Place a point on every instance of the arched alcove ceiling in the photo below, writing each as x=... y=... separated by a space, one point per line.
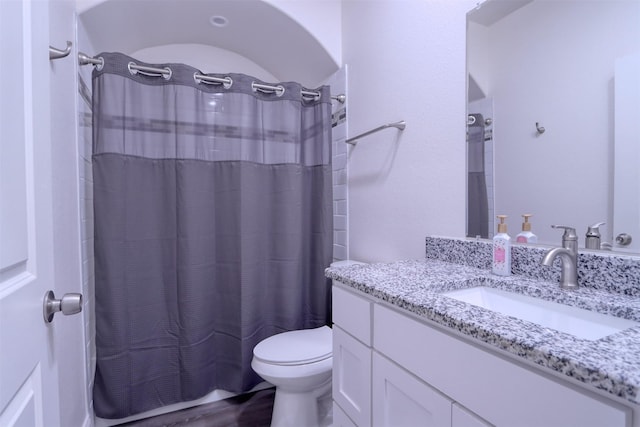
x=255 y=30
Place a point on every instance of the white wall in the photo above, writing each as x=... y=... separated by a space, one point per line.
x=478 y=64
x=553 y=63
x=406 y=61
x=321 y=18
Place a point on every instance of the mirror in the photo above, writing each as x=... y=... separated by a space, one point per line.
x=541 y=93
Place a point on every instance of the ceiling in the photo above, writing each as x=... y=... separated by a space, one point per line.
x=491 y=11
x=256 y=30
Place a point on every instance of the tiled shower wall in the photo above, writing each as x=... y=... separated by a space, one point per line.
x=338 y=83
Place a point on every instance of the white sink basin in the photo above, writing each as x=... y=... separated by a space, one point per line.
x=582 y=323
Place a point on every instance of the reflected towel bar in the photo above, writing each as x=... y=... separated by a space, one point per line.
x=398 y=125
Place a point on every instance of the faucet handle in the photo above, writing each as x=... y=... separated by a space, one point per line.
x=594 y=230
x=569 y=232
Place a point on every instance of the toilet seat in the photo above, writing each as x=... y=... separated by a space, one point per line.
x=293 y=348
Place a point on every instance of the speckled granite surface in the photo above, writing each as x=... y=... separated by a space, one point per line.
x=599 y=270
x=611 y=363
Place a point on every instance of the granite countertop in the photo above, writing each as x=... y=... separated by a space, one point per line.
x=611 y=363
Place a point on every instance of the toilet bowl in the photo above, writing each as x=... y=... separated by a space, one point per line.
x=299 y=364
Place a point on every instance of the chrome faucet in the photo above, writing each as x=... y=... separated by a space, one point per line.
x=568 y=254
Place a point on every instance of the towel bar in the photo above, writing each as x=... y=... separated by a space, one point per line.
x=398 y=125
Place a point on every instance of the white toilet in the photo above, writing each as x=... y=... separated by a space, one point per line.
x=299 y=364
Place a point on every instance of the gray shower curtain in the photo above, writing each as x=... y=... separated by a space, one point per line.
x=213 y=227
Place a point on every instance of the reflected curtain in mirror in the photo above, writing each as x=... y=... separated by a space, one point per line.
x=477 y=203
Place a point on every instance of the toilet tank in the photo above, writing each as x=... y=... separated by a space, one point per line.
x=346 y=263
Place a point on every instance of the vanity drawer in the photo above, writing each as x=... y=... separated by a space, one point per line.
x=352 y=313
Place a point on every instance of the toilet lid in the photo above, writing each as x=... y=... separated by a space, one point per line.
x=296 y=347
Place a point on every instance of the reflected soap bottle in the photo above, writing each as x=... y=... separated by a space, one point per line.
x=526 y=236
x=502 y=250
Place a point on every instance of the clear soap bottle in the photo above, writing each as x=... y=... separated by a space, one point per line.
x=526 y=236
x=502 y=250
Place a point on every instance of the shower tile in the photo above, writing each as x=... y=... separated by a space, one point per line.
x=340 y=238
x=340 y=222
x=339 y=132
x=340 y=192
x=341 y=207
x=339 y=252
x=339 y=162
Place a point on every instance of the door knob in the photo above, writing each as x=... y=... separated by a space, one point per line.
x=68 y=304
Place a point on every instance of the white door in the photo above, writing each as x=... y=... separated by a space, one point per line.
x=28 y=375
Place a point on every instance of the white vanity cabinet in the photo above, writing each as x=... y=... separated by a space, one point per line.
x=407 y=371
x=371 y=390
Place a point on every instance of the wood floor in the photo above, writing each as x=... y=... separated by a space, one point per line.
x=248 y=410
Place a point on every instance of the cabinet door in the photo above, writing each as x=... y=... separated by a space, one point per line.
x=352 y=377
x=400 y=399
x=462 y=417
x=340 y=419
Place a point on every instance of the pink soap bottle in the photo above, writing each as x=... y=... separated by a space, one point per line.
x=502 y=250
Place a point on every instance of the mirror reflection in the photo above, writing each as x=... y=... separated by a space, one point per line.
x=552 y=92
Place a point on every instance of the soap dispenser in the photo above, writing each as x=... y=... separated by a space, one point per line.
x=526 y=236
x=592 y=240
x=502 y=250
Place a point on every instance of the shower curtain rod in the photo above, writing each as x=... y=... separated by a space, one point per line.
x=85 y=59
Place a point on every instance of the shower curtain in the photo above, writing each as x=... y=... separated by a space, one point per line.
x=477 y=203
x=213 y=227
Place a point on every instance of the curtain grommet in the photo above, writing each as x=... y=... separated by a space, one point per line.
x=199 y=78
x=165 y=72
x=262 y=88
